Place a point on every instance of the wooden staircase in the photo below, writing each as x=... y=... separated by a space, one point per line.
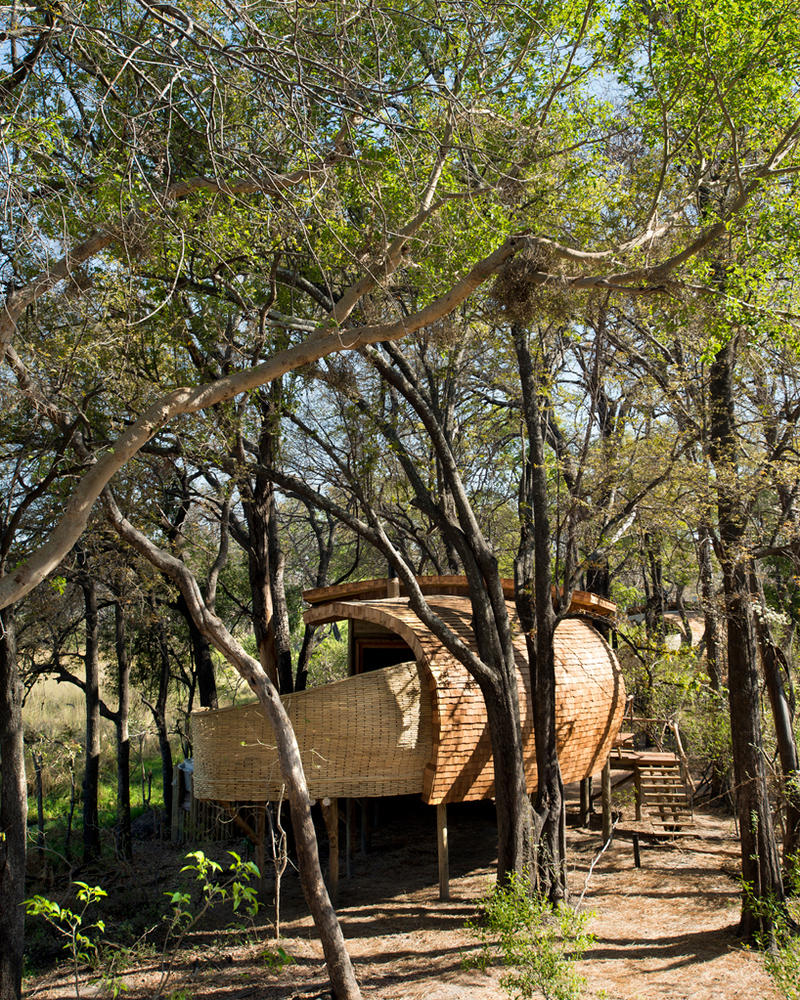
x=661 y=791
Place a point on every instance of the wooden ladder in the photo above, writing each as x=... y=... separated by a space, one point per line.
x=661 y=791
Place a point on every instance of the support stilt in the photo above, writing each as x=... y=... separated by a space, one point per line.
x=443 y=850
x=586 y=801
x=261 y=836
x=607 y=801
x=330 y=813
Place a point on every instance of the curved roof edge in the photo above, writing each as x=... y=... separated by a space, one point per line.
x=454 y=586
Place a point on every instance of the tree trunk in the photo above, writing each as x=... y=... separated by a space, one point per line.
x=514 y=818
x=656 y=603
x=256 y=508
x=91 y=774
x=203 y=660
x=539 y=623
x=774 y=664
x=761 y=871
x=159 y=712
x=270 y=616
x=124 y=843
x=281 y=631
x=13 y=815
x=303 y=657
x=719 y=783
x=712 y=631
x=598 y=581
x=338 y=962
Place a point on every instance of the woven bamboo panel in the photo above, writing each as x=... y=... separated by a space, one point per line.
x=414 y=728
x=369 y=735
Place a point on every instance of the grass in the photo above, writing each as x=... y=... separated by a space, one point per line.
x=54 y=726
x=57 y=795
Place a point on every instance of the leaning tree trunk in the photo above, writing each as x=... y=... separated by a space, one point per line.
x=761 y=872
x=91 y=774
x=13 y=815
x=337 y=959
x=124 y=841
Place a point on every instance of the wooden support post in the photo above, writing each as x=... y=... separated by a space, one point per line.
x=443 y=851
x=365 y=836
x=586 y=801
x=330 y=813
x=637 y=858
x=637 y=782
x=261 y=836
x=607 y=801
x=349 y=820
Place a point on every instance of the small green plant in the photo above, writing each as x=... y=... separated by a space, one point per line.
x=276 y=959
x=781 y=946
x=233 y=886
x=70 y=925
x=538 y=944
x=783 y=963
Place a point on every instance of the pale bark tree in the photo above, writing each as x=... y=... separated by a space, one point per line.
x=337 y=959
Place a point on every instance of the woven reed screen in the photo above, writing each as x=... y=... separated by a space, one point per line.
x=364 y=736
x=415 y=728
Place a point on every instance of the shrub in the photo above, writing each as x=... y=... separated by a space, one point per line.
x=538 y=944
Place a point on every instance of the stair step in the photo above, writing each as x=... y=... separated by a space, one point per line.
x=667 y=804
x=667 y=793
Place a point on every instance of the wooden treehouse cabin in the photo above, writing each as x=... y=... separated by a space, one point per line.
x=409 y=719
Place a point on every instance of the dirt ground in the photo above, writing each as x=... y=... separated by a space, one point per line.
x=665 y=930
